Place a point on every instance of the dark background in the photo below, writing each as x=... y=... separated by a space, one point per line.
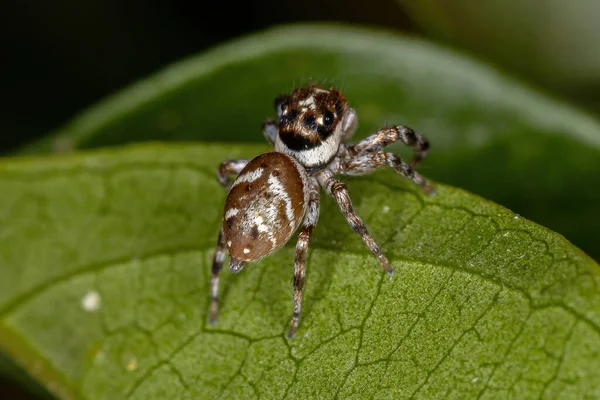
x=58 y=57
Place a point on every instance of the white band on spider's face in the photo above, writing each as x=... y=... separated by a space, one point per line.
x=316 y=156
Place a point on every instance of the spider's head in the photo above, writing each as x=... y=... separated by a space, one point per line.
x=311 y=125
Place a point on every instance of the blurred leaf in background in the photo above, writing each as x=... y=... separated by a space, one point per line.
x=489 y=134
x=553 y=43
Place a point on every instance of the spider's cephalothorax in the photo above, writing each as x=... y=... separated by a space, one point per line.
x=312 y=123
x=277 y=192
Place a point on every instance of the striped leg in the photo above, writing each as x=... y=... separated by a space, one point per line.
x=214 y=278
x=227 y=168
x=364 y=163
x=389 y=135
x=339 y=191
x=310 y=221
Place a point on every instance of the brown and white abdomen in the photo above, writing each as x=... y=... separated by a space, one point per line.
x=265 y=205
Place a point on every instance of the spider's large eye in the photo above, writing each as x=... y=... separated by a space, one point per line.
x=327 y=118
x=310 y=122
x=289 y=117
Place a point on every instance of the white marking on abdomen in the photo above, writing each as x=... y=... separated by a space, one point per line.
x=276 y=187
x=262 y=227
x=231 y=212
x=249 y=176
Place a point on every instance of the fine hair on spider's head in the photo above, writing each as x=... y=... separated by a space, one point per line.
x=311 y=122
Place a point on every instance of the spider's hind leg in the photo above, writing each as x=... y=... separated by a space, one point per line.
x=228 y=168
x=310 y=221
x=214 y=277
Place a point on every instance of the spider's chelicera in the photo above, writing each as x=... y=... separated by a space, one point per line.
x=278 y=191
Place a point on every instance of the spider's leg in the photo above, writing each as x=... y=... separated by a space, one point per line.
x=339 y=191
x=270 y=130
x=214 y=278
x=364 y=163
x=227 y=168
x=310 y=221
x=391 y=134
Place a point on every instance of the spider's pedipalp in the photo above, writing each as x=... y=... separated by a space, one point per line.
x=270 y=130
x=349 y=123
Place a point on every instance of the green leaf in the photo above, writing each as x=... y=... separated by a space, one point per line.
x=105 y=263
x=490 y=135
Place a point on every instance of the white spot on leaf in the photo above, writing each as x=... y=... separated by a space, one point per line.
x=91 y=301
x=132 y=364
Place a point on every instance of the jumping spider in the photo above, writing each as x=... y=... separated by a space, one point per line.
x=276 y=191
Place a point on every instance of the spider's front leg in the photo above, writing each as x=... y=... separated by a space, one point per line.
x=310 y=221
x=389 y=135
x=228 y=168
x=366 y=162
x=339 y=191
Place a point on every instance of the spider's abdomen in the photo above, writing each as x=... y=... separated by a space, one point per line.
x=265 y=205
